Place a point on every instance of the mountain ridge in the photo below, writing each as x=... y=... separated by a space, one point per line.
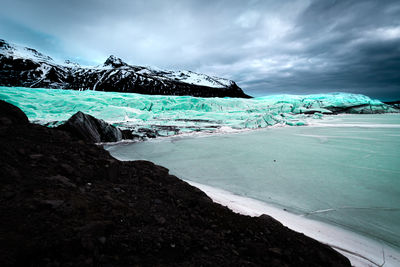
x=27 y=67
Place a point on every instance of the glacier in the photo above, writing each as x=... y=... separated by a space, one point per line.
x=170 y=115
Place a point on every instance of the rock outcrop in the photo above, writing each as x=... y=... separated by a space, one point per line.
x=10 y=114
x=26 y=67
x=394 y=104
x=91 y=129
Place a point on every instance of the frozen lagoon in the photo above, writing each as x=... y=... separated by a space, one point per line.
x=343 y=170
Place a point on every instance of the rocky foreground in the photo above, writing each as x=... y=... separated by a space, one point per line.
x=67 y=202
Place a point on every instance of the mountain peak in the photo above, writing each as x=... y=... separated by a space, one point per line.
x=114 y=61
x=17 y=51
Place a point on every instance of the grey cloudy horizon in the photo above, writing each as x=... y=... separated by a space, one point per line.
x=267 y=47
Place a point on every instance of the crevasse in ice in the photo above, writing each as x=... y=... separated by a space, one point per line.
x=173 y=114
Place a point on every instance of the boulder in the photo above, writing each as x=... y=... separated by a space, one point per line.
x=91 y=129
x=10 y=114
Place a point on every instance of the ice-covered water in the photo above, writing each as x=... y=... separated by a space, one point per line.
x=182 y=114
x=344 y=170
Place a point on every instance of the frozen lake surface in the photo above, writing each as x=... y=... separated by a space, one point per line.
x=343 y=170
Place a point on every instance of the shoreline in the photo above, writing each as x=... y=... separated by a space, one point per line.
x=360 y=250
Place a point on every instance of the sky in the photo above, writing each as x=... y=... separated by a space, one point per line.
x=266 y=46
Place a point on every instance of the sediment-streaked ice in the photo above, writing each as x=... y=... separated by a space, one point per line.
x=182 y=114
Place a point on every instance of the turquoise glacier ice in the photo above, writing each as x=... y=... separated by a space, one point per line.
x=173 y=114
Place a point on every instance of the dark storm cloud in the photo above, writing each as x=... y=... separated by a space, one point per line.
x=359 y=41
x=303 y=46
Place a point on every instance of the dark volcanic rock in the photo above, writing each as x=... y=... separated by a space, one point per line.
x=64 y=202
x=91 y=129
x=357 y=109
x=11 y=114
x=39 y=71
x=394 y=104
x=149 y=133
x=127 y=134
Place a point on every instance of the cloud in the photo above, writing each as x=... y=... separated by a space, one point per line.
x=302 y=46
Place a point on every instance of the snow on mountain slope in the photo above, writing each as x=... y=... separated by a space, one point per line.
x=21 y=52
x=184 y=76
x=195 y=78
x=26 y=67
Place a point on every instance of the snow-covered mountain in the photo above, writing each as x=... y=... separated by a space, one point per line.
x=23 y=66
